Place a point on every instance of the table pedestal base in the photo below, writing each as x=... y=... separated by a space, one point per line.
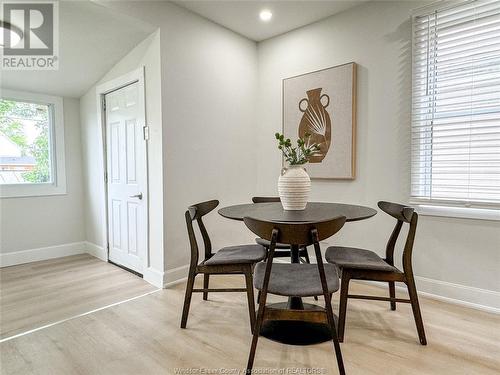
x=294 y=332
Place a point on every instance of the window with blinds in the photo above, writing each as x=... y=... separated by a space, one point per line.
x=456 y=105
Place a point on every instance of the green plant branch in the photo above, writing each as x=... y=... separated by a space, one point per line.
x=296 y=155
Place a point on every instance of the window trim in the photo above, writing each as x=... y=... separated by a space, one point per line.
x=441 y=5
x=434 y=209
x=57 y=150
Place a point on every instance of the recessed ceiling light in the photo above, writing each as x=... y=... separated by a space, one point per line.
x=265 y=15
x=15 y=34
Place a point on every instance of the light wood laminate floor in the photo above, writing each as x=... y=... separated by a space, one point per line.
x=36 y=294
x=142 y=336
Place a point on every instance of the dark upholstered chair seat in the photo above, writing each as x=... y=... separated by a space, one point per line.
x=361 y=264
x=237 y=255
x=237 y=260
x=351 y=257
x=300 y=280
x=267 y=244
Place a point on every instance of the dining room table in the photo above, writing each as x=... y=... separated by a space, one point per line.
x=297 y=332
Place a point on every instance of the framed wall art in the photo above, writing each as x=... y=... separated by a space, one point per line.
x=323 y=104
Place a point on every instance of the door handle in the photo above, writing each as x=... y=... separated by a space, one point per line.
x=137 y=196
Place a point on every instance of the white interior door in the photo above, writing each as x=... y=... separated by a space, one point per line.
x=126 y=176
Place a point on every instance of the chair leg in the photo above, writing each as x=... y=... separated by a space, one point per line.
x=344 y=289
x=250 y=296
x=392 y=294
x=206 y=280
x=256 y=332
x=335 y=338
x=262 y=303
x=328 y=304
x=187 y=298
x=308 y=261
x=412 y=291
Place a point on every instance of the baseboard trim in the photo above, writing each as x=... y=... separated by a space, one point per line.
x=173 y=283
x=96 y=251
x=154 y=277
x=150 y=275
x=477 y=298
x=43 y=253
x=456 y=294
x=175 y=276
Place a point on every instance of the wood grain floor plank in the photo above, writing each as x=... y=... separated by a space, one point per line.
x=36 y=294
x=143 y=337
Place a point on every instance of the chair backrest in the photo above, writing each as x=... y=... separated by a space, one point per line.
x=295 y=233
x=196 y=212
x=403 y=214
x=265 y=199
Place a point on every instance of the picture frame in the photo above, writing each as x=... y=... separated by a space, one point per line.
x=322 y=104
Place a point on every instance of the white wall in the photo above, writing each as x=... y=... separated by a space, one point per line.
x=221 y=105
x=209 y=127
x=209 y=81
x=146 y=54
x=52 y=224
x=376 y=36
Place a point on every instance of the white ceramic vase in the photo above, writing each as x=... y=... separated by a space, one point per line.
x=294 y=186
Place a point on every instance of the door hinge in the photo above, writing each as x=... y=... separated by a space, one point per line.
x=146 y=132
x=106 y=177
x=103 y=103
x=107 y=247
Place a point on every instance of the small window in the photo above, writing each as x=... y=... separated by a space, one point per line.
x=31 y=145
x=456 y=105
x=25 y=142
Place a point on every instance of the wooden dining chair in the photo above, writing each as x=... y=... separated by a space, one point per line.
x=295 y=279
x=233 y=260
x=361 y=264
x=282 y=250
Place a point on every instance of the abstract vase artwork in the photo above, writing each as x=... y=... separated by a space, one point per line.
x=323 y=105
x=316 y=122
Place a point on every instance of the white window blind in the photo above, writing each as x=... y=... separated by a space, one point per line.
x=456 y=105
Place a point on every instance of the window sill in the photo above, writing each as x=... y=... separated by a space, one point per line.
x=31 y=190
x=458 y=212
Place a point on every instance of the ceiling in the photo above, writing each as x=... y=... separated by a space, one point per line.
x=92 y=39
x=242 y=16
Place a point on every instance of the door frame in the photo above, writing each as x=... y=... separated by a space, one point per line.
x=135 y=76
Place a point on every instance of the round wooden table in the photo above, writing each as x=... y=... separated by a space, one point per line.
x=296 y=332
